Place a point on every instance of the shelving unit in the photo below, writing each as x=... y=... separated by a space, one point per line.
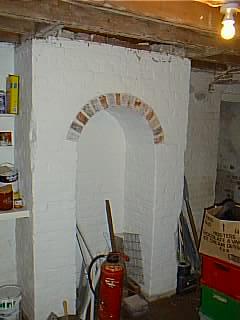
x=7 y=125
x=14 y=214
x=7 y=115
x=7 y=155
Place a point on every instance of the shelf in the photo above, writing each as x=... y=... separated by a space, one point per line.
x=14 y=214
x=7 y=146
x=7 y=115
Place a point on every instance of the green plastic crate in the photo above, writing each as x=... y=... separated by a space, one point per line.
x=218 y=306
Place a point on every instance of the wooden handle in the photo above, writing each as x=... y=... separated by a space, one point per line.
x=65 y=307
x=189 y=212
x=110 y=225
x=192 y=223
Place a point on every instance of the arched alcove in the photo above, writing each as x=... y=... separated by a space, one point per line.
x=116 y=161
x=100 y=175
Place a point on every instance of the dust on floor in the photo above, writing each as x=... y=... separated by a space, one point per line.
x=177 y=307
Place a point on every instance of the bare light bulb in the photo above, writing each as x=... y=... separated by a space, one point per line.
x=228 y=30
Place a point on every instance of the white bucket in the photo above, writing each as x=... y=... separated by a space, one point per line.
x=10 y=299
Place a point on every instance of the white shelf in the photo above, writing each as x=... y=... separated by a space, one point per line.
x=7 y=115
x=14 y=214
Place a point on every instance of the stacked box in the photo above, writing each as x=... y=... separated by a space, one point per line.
x=220 y=279
x=222 y=276
x=216 y=305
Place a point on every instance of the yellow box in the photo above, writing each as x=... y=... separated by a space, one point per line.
x=12 y=93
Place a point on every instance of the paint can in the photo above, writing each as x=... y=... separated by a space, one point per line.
x=10 y=302
x=9 y=176
x=6 y=197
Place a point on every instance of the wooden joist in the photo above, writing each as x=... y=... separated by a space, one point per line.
x=9 y=37
x=189 y=14
x=90 y=18
x=16 y=25
x=94 y=19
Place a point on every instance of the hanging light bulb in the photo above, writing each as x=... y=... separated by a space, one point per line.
x=228 y=29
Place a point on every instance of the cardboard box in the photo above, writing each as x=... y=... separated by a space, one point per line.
x=12 y=96
x=220 y=238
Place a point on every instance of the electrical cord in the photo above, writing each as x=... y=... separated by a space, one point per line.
x=84 y=241
x=90 y=270
x=80 y=248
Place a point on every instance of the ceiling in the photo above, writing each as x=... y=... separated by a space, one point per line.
x=191 y=26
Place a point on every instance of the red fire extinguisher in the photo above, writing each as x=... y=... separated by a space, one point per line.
x=111 y=285
x=110 y=288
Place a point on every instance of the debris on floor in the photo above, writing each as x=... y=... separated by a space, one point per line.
x=135 y=306
x=177 y=307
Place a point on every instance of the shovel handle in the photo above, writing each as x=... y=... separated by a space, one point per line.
x=65 y=307
x=110 y=225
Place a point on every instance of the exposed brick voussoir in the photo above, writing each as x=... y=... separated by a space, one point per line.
x=122 y=100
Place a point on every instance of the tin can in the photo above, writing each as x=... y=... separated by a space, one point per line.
x=9 y=176
x=18 y=203
x=6 y=197
x=2 y=102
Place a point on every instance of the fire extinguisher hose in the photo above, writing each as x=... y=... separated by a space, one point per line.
x=90 y=270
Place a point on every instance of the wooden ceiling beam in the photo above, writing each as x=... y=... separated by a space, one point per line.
x=208 y=66
x=16 y=26
x=94 y=19
x=223 y=59
x=9 y=37
x=21 y=16
x=186 y=13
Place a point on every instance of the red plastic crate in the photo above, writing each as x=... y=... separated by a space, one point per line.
x=222 y=276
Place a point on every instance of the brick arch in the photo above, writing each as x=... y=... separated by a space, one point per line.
x=115 y=100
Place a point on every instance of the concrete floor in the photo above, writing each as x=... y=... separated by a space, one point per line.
x=178 y=307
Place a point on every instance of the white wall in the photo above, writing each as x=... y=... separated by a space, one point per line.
x=100 y=176
x=24 y=157
x=228 y=174
x=7 y=228
x=139 y=185
x=202 y=142
x=66 y=75
x=231 y=93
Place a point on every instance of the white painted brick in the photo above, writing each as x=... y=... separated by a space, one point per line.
x=228 y=173
x=202 y=142
x=66 y=75
x=23 y=156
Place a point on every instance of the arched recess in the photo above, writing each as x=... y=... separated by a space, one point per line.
x=115 y=100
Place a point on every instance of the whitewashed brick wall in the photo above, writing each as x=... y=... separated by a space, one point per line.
x=202 y=142
x=228 y=174
x=100 y=176
x=65 y=76
x=7 y=228
x=24 y=158
x=231 y=93
x=139 y=186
